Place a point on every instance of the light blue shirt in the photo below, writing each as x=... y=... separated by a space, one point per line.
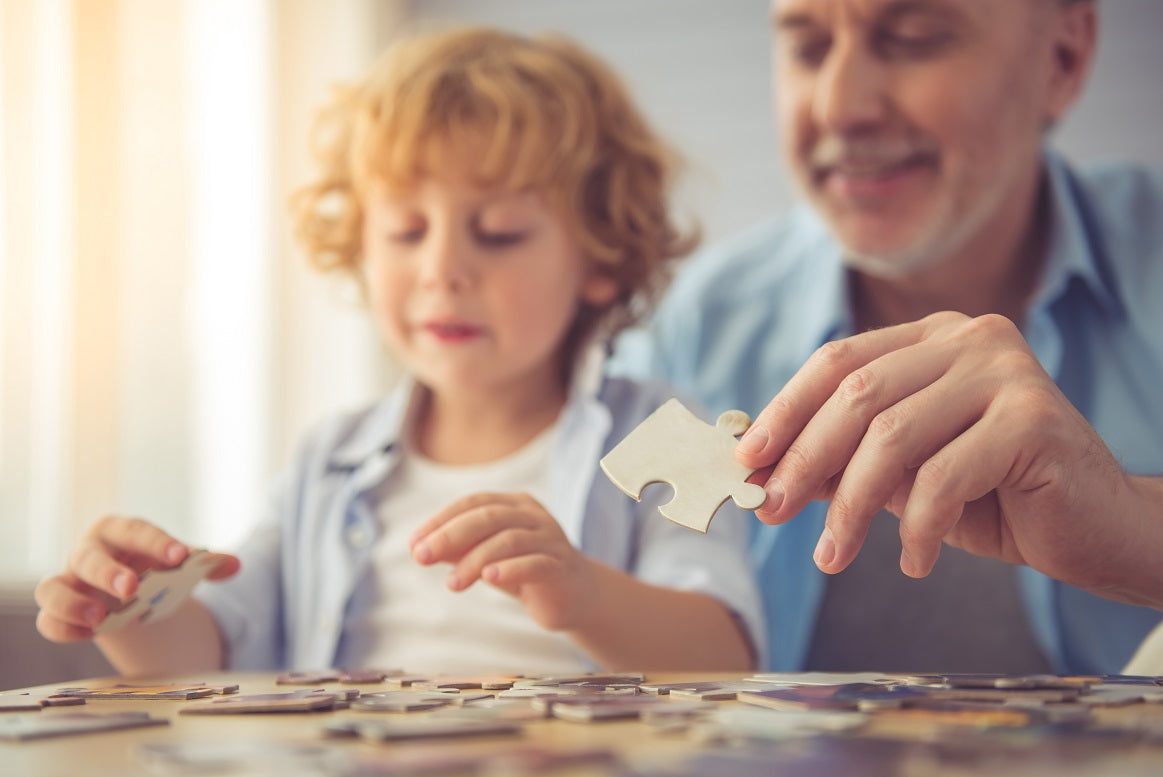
x=304 y=576
x=742 y=319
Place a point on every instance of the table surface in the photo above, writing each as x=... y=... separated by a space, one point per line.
x=1121 y=741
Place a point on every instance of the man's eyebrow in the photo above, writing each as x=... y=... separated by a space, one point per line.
x=786 y=22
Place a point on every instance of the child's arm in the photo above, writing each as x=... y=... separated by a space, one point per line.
x=103 y=570
x=511 y=542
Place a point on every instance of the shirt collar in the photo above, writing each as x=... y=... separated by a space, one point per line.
x=385 y=422
x=1072 y=248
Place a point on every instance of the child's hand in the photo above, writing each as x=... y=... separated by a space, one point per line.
x=513 y=543
x=103 y=571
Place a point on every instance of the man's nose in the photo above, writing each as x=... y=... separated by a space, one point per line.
x=850 y=91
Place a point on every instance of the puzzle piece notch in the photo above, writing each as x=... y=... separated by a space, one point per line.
x=673 y=446
x=161 y=591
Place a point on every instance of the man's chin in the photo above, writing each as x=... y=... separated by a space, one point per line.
x=889 y=263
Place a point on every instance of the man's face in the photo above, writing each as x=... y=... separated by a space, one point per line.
x=911 y=124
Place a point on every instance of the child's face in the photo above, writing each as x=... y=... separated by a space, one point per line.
x=474 y=289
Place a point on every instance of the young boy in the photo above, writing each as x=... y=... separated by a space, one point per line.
x=502 y=205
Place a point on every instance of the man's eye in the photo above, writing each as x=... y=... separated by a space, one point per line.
x=807 y=51
x=895 y=45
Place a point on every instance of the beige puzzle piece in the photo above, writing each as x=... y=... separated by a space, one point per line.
x=697 y=460
x=160 y=591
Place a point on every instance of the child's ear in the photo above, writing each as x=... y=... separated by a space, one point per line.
x=600 y=288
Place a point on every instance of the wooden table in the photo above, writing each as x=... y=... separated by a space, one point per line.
x=879 y=748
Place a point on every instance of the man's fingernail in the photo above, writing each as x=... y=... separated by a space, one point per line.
x=908 y=566
x=775 y=495
x=754 y=441
x=825 y=548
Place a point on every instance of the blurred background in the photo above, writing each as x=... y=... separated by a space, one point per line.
x=162 y=344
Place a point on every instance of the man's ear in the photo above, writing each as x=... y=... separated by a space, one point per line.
x=1072 y=42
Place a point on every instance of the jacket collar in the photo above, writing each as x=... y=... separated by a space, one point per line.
x=384 y=423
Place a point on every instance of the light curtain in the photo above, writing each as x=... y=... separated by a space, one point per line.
x=162 y=344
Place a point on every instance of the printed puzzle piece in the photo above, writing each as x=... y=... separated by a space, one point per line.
x=161 y=591
x=696 y=459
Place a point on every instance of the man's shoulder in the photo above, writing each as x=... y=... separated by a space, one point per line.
x=1124 y=202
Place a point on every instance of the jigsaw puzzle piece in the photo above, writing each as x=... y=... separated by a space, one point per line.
x=673 y=446
x=161 y=591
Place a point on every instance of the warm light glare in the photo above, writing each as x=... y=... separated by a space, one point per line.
x=229 y=83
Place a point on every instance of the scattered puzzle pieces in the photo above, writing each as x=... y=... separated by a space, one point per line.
x=696 y=459
x=161 y=591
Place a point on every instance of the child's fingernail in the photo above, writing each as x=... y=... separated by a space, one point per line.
x=825 y=549
x=491 y=573
x=174 y=552
x=92 y=615
x=121 y=584
x=422 y=553
x=754 y=441
x=453 y=582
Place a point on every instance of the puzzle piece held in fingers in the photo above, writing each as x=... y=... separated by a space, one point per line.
x=161 y=591
x=696 y=459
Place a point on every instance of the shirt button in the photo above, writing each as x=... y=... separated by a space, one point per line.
x=358 y=537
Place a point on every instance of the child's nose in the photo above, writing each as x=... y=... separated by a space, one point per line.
x=446 y=262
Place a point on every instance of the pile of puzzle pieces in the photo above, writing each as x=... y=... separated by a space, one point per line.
x=771 y=711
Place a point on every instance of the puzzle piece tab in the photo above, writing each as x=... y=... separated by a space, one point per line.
x=697 y=460
x=161 y=591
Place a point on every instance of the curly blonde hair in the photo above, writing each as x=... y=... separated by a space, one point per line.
x=554 y=119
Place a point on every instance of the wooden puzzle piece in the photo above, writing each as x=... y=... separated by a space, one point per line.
x=21 y=726
x=119 y=692
x=378 y=730
x=293 y=701
x=161 y=591
x=696 y=459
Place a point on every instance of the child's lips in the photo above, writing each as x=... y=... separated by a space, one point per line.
x=452 y=331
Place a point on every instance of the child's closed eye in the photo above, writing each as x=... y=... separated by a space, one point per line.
x=500 y=239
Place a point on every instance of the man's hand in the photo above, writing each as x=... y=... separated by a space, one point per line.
x=952 y=424
x=513 y=543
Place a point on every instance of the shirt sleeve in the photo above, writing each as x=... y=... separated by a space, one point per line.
x=714 y=563
x=249 y=606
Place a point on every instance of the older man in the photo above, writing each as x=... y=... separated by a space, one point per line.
x=962 y=329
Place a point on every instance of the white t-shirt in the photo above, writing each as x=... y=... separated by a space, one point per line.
x=416 y=623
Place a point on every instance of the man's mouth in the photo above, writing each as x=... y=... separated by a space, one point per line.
x=868 y=158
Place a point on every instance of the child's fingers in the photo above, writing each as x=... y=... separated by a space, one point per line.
x=228 y=566
x=134 y=539
x=69 y=608
x=511 y=573
x=113 y=553
x=455 y=509
x=59 y=631
x=481 y=519
x=502 y=546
